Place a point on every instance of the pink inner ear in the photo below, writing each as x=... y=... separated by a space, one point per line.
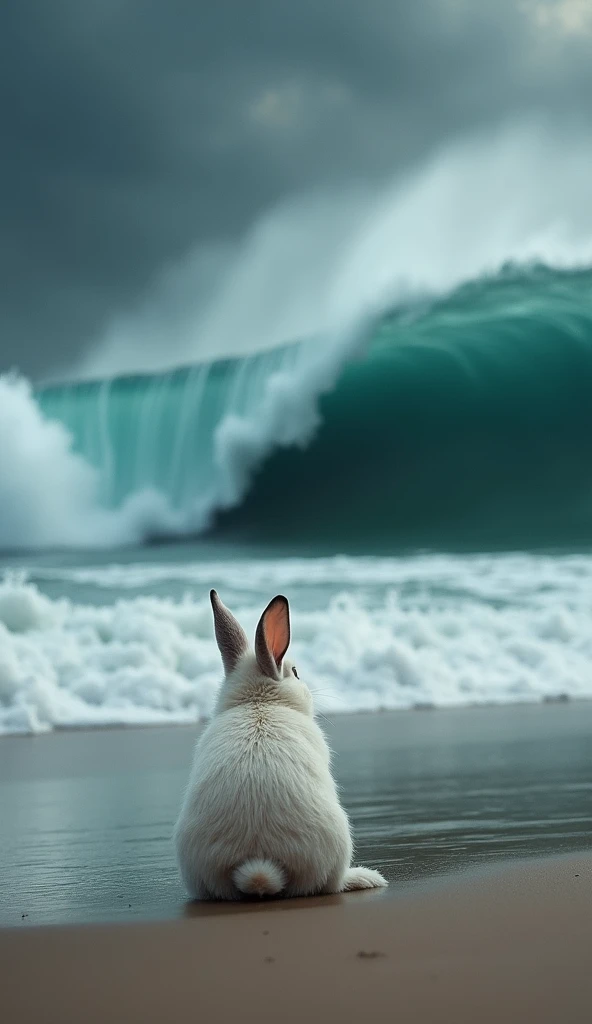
x=277 y=630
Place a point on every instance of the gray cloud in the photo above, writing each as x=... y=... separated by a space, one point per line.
x=133 y=129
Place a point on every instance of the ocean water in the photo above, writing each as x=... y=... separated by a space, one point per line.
x=399 y=437
x=466 y=422
x=109 y=644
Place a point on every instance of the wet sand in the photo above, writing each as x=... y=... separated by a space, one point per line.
x=87 y=816
x=509 y=944
x=470 y=814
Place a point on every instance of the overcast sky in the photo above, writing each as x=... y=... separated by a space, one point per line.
x=134 y=129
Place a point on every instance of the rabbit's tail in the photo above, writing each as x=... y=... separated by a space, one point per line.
x=259 y=878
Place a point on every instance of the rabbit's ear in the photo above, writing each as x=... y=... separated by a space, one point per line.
x=273 y=637
x=230 y=635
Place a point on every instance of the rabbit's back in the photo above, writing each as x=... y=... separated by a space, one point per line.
x=261 y=788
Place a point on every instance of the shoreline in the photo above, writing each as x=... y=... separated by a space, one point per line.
x=88 y=815
x=200 y=723
x=506 y=942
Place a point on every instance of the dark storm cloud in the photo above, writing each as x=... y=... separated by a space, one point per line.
x=133 y=128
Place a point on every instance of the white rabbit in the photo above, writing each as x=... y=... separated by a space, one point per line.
x=261 y=815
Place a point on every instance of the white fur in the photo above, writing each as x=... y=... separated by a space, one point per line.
x=259 y=878
x=261 y=813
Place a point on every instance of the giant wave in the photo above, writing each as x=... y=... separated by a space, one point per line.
x=469 y=421
x=439 y=394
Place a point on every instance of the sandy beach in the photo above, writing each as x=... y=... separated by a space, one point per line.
x=480 y=818
x=504 y=944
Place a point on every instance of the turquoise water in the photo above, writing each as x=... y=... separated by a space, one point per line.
x=465 y=422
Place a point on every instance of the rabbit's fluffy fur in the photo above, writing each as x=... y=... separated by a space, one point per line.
x=261 y=815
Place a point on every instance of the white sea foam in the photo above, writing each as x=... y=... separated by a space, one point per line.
x=49 y=494
x=368 y=634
